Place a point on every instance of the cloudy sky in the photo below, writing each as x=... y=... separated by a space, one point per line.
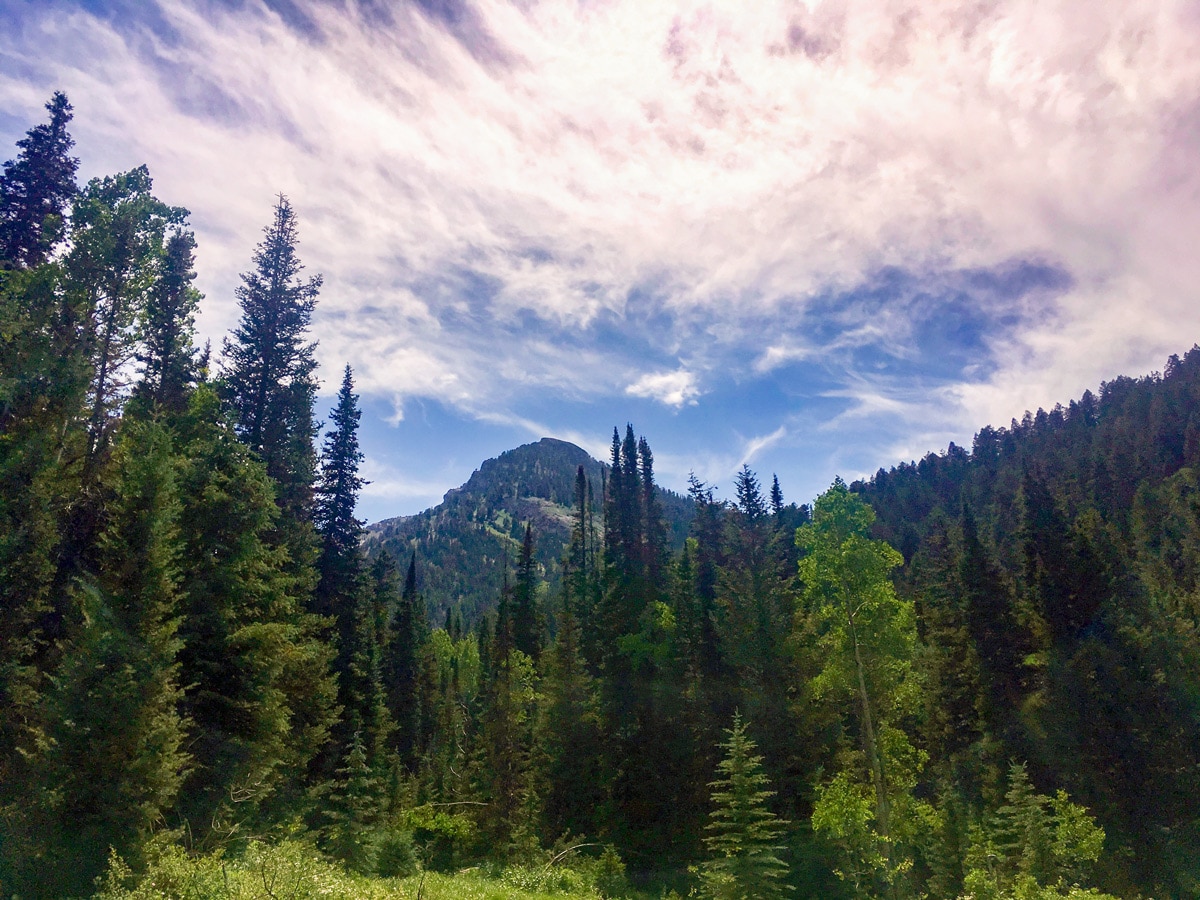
x=819 y=237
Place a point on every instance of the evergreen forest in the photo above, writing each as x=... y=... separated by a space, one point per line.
x=975 y=676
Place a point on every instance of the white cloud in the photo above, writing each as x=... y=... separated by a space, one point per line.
x=669 y=388
x=720 y=161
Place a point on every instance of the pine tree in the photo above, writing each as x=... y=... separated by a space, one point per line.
x=35 y=190
x=744 y=836
x=337 y=495
x=776 y=497
x=405 y=664
x=116 y=757
x=269 y=377
x=168 y=357
x=503 y=762
x=569 y=738
x=528 y=623
x=353 y=809
x=340 y=564
x=259 y=697
x=749 y=495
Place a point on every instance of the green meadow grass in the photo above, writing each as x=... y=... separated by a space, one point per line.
x=293 y=870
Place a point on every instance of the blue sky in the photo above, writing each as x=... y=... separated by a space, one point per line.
x=818 y=237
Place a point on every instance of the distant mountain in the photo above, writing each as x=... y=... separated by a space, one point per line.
x=463 y=543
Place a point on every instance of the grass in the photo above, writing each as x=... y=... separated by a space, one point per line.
x=294 y=870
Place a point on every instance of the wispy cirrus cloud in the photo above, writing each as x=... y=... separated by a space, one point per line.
x=634 y=200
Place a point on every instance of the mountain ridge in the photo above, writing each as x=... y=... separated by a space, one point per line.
x=465 y=544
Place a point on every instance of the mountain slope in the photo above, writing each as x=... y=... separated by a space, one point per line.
x=464 y=544
x=1071 y=539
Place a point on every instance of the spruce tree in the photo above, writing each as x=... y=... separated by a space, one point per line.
x=167 y=355
x=569 y=737
x=750 y=500
x=353 y=809
x=776 y=497
x=744 y=836
x=270 y=367
x=116 y=757
x=258 y=696
x=528 y=623
x=407 y=680
x=337 y=495
x=35 y=190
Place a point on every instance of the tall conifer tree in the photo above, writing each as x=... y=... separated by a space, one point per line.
x=168 y=356
x=744 y=836
x=528 y=623
x=340 y=564
x=270 y=367
x=116 y=759
x=35 y=190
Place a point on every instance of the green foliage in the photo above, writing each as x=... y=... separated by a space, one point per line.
x=744 y=836
x=115 y=757
x=395 y=854
x=256 y=696
x=35 y=189
x=118 y=229
x=269 y=375
x=866 y=639
x=1033 y=847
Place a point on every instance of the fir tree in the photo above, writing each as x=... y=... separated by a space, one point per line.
x=269 y=378
x=569 y=735
x=168 y=357
x=744 y=836
x=116 y=756
x=527 y=620
x=405 y=655
x=353 y=809
x=340 y=564
x=776 y=497
x=750 y=500
x=258 y=697
x=35 y=190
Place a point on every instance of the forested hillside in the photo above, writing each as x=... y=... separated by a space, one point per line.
x=467 y=543
x=205 y=677
x=1056 y=566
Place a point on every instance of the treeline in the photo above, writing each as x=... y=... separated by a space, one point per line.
x=196 y=648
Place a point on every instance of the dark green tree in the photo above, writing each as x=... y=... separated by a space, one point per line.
x=118 y=231
x=406 y=663
x=337 y=496
x=116 y=755
x=750 y=500
x=258 y=697
x=569 y=736
x=528 y=621
x=744 y=837
x=270 y=367
x=353 y=809
x=167 y=355
x=35 y=190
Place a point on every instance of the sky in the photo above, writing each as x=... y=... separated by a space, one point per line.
x=818 y=238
